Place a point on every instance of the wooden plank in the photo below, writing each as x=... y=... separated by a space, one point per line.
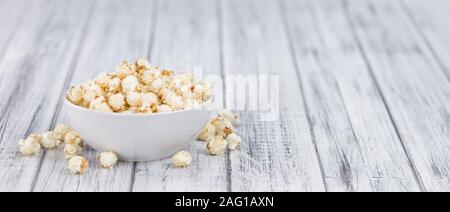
x=415 y=89
x=356 y=139
x=11 y=15
x=186 y=35
x=117 y=31
x=431 y=21
x=278 y=155
x=40 y=52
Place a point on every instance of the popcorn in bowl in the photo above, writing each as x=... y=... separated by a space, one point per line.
x=140 y=88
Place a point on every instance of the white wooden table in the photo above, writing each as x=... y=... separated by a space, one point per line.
x=365 y=92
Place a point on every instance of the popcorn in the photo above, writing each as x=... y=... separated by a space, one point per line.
x=217 y=145
x=174 y=101
x=78 y=165
x=114 y=84
x=228 y=115
x=233 y=141
x=202 y=91
x=163 y=108
x=130 y=83
x=74 y=94
x=134 y=98
x=148 y=99
x=181 y=159
x=108 y=159
x=30 y=145
x=61 y=130
x=50 y=140
x=73 y=137
x=149 y=75
x=125 y=69
x=143 y=63
x=207 y=133
x=103 y=80
x=117 y=101
x=140 y=88
x=90 y=93
x=157 y=84
x=72 y=150
x=100 y=105
x=223 y=126
x=186 y=78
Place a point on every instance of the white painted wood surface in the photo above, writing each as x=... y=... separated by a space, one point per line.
x=112 y=35
x=183 y=41
x=364 y=100
x=355 y=137
x=278 y=155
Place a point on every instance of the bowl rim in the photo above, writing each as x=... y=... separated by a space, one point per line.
x=77 y=107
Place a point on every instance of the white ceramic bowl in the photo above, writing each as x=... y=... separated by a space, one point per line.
x=137 y=137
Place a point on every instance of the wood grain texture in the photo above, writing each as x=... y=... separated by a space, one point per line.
x=186 y=35
x=278 y=155
x=431 y=21
x=11 y=16
x=358 y=144
x=34 y=67
x=414 y=87
x=364 y=90
x=118 y=30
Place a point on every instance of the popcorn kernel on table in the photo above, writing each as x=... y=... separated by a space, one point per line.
x=207 y=132
x=181 y=159
x=73 y=137
x=217 y=145
x=228 y=115
x=50 y=140
x=108 y=159
x=61 y=130
x=78 y=165
x=233 y=141
x=30 y=145
x=223 y=126
x=72 y=150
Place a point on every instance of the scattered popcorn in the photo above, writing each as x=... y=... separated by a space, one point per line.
x=223 y=127
x=228 y=115
x=78 y=165
x=50 y=140
x=233 y=141
x=181 y=159
x=108 y=159
x=140 y=88
x=73 y=137
x=217 y=145
x=207 y=133
x=61 y=130
x=72 y=150
x=30 y=145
